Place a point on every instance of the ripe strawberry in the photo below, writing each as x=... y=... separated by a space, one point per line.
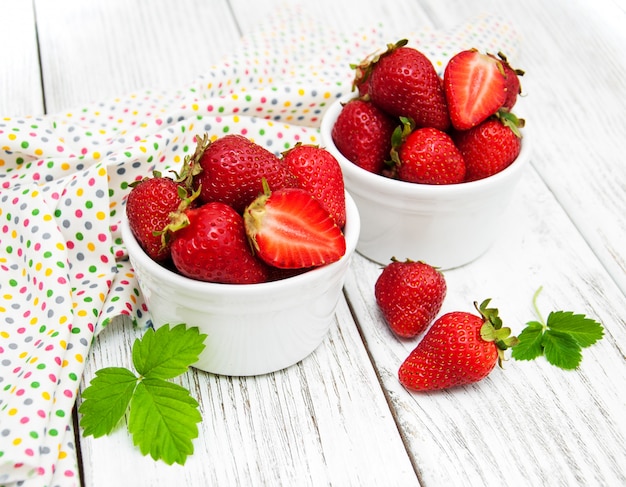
x=232 y=169
x=427 y=156
x=409 y=295
x=491 y=146
x=459 y=348
x=475 y=88
x=148 y=207
x=404 y=82
x=290 y=229
x=210 y=244
x=512 y=82
x=317 y=171
x=362 y=133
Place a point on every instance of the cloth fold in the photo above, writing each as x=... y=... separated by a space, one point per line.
x=63 y=182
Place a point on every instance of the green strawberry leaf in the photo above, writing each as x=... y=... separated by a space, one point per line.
x=167 y=352
x=530 y=342
x=106 y=399
x=163 y=416
x=163 y=420
x=561 y=350
x=584 y=330
x=560 y=339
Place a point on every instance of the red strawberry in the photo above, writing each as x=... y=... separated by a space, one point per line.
x=427 y=156
x=291 y=229
x=212 y=246
x=475 y=88
x=232 y=169
x=317 y=171
x=409 y=295
x=148 y=208
x=512 y=82
x=459 y=348
x=491 y=146
x=404 y=82
x=362 y=133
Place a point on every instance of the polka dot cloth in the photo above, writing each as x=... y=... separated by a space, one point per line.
x=63 y=183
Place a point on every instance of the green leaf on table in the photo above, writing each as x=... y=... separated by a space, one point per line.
x=584 y=330
x=163 y=416
x=106 y=399
x=561 y=349
x=167 y=352
x=560 y=339
x=163 y=420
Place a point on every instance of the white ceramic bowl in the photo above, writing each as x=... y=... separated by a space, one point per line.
x=252 y=329
x=446 y=226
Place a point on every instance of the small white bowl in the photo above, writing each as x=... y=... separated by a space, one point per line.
x=446 y=226
x=252 y=329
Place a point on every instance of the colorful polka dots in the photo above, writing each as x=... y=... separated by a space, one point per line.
x=63 y=183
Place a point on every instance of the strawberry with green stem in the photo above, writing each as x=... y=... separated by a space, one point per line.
x=491 y=146
x=402 y=81
x=232 y=169
x=152 y=200
x=425 y=155
x=459 y=348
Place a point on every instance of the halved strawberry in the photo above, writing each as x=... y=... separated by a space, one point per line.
x=475 y=88
x=290 y=229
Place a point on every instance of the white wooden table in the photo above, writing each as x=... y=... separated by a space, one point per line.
x=340 y=417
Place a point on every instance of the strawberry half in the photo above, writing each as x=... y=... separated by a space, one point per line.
x=475 y=88
x=290 y=229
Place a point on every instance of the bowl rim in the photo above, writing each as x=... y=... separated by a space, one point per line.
x=351 y=232
x=404 y=188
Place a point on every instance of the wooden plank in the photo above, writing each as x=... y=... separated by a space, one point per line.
x=91 y=51
x=19 y=71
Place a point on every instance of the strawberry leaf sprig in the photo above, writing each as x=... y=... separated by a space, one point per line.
x=560 y=338
x=163 y=416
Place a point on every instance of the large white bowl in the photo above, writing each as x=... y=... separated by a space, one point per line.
x=252 y=329
x=446 y=226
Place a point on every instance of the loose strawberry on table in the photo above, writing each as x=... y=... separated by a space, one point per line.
x=362 y=133
x=459 y=348
x=409 y=294
x=317 y=171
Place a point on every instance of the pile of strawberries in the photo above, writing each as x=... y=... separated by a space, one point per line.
x=239 y=214
x=408 y=123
